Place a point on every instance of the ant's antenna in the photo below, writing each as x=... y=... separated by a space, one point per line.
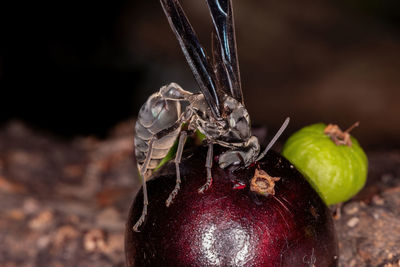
x=274 y=139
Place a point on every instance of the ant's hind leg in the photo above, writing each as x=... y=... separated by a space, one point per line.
x=143 y=171
x=209 y=161
x=178 y=157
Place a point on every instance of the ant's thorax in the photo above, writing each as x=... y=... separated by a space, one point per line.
x=231 y=130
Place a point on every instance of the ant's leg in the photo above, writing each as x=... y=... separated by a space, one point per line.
x=143 y=171
x=209 y=161
x=178 y=156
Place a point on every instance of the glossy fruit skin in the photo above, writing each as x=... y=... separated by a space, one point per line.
x=231 y=227
x=337 y=172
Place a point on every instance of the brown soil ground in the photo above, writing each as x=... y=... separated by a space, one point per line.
x=65 y=203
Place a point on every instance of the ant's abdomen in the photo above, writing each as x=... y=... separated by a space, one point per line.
x=156 y=115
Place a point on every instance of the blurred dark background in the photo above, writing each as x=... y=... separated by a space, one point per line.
x=79 y=67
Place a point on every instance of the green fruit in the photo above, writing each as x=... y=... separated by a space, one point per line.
x=336 y=171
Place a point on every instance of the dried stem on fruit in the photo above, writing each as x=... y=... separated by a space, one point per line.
x=338 y=136
x=262 y=183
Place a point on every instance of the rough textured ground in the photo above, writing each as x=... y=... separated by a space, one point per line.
x=65 y=203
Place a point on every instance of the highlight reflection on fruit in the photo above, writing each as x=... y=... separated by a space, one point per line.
x=332 y=161
x=229 y=224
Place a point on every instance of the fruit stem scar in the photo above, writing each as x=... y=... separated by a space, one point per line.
x=338 y=136
x=262 y=183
